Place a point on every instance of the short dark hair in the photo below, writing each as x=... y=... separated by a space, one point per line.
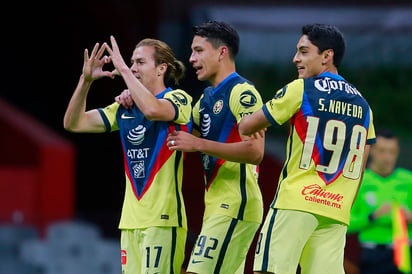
x=218 y=34
x=326 y=37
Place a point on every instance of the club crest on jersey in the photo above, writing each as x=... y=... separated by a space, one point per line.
x=218 y=107
x=247 y=99
x=136 y=135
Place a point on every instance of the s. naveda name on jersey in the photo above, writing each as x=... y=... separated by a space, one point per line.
x=335 y=106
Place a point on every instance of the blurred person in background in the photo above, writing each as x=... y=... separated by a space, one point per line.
x=371 y=217
x=153 y=221
x=331 y=129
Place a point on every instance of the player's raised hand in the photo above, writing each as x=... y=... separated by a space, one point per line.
x=116 y=57
x=93 y=64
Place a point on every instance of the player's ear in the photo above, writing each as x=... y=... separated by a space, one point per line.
x=223 y=52
x=162 y=68
x=327 y=56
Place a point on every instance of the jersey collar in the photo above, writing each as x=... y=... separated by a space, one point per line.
x=161 y=94
x=331 y=75
x=227 y=79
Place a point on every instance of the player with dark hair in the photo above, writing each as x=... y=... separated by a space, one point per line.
x=233 y=201
x=330 y=132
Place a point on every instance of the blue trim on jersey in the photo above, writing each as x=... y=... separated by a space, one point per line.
x=161 y=94
x=268 y=116
x=105 y=121
x=331 y=75
x=230 y=77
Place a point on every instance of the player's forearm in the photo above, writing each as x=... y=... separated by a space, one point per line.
x=77 y=105
x=253 y=123
x=76 y=119
x=148 y=104
x=247 y=151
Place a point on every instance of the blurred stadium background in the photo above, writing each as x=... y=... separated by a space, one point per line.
x=52 y=180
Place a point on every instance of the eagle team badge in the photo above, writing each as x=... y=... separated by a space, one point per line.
x=218 y=107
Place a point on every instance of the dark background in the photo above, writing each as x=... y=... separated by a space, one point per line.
x=42 y=56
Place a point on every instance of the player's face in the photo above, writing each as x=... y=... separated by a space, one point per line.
x=308 y=60
x=204 y=59
x=143 y=66
x=384 y=154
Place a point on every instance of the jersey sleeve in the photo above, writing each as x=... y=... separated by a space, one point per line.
x=109 y=116
x=285 y=103
x=182 y=103
x=371 y=131
x=244 y=100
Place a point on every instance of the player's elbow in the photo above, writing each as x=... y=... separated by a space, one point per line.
x=70 y=127
x=257 y=158
x=256 y=153
x=244 y=127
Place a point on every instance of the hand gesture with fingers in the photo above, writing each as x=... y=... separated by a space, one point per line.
x=116 y=57
x=93 y=64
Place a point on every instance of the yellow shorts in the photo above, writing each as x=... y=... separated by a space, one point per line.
x=153 y=250
x=222 y=245
x=290 y=237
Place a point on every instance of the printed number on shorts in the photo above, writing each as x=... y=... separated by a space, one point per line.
x=334 y=140
x=153 y=254
x=206 y=246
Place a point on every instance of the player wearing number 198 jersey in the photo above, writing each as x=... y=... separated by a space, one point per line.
x=331 y=129
x=332 y=124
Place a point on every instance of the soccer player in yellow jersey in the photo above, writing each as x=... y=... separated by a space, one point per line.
x=331 y=129
x=233 y=201
x=153 y=221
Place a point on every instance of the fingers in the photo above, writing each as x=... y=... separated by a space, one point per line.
x=101 y=51
x=95 y=48
x=86 y=55
x=171 y=139
x=172 y=134
x=113 y=41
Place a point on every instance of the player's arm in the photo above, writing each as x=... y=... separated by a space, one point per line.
x=76 y=118
x=249 y=150
x=151 y=107
x=253 y=123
